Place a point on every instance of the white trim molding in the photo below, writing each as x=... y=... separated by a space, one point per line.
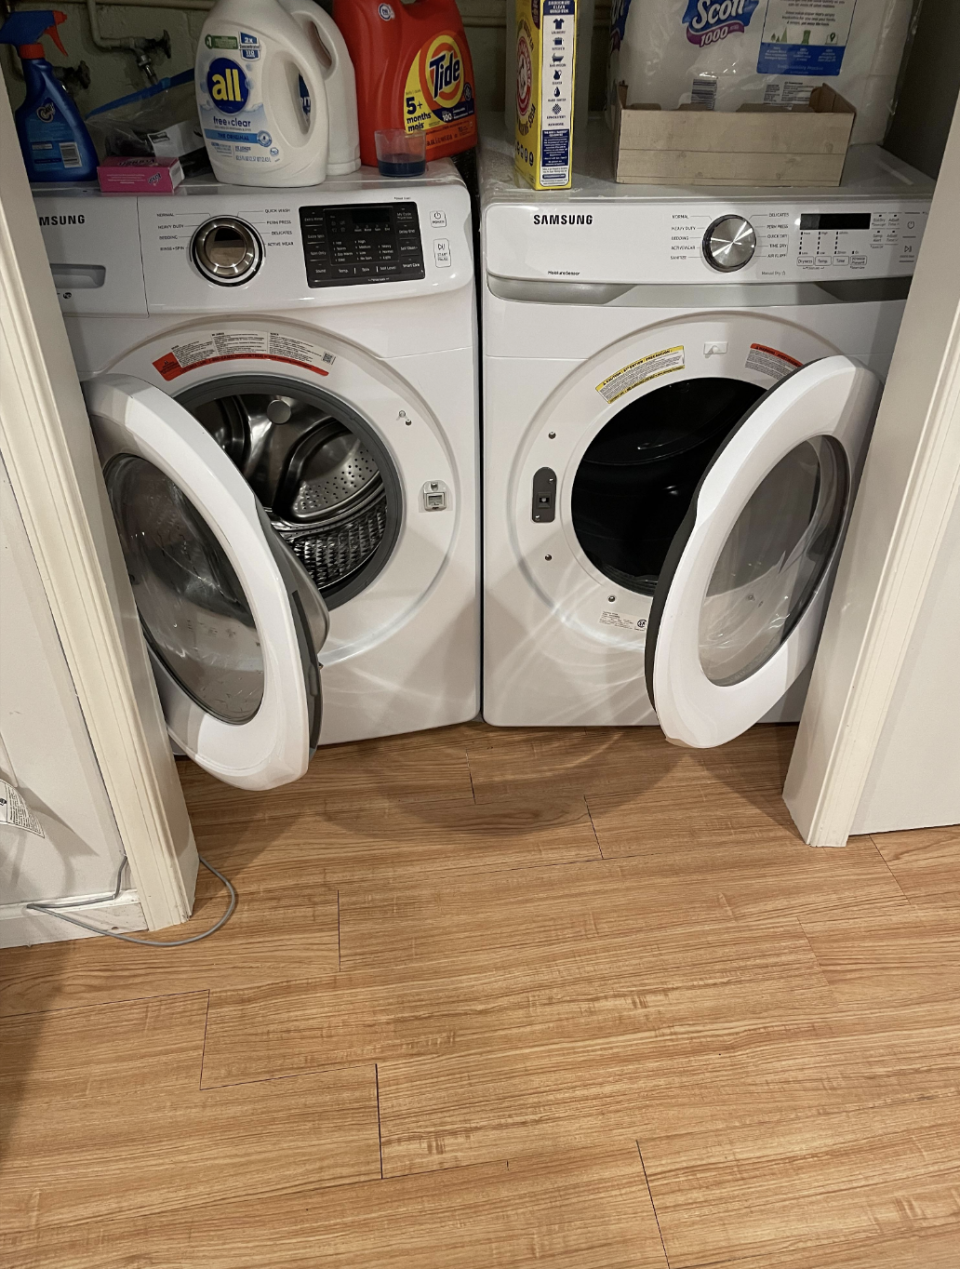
x=48 y=450
x=910 y=486
x=21 y=927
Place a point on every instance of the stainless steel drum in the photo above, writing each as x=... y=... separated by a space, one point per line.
x=318 y=481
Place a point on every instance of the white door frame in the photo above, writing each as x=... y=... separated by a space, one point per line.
x=48 y=449
x=910 y=486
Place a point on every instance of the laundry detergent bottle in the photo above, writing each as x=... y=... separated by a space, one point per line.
x=55 y=143
x=414 y=72
x=261 y=97
x=336 y=67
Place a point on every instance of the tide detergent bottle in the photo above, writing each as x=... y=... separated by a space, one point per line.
x=55 y=143
x=413 y=69
x=255 y=74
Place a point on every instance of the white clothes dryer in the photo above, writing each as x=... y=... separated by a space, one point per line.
x=679 y=387
x=283 y=391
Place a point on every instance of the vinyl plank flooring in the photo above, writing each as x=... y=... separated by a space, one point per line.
x=613 y=986
x=103 y=1158
x=934 y=1247
x=847 y=1178
x=514 y=763
x=103 y=1051
x=695 y=1077
x=399 y=840
x=419 y=767
x=926 y=863
x=269 y=938
x=498 y=917
x=911 y=955
x=580 y=1210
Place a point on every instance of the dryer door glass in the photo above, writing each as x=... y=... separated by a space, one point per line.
x=194 y=613
x=738 y=606
x=773 y=560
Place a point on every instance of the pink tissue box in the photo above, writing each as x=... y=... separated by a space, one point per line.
x=139 y=175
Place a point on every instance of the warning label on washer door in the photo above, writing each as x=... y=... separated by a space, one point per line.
x=208 y=347
x=650 y=367
x=771 y=361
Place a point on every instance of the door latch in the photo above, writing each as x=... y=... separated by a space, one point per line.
x=544 y=496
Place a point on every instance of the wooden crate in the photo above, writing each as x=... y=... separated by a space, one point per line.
x=756 y=145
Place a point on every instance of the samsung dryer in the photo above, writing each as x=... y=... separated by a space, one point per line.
x=679 y=388
x=283 y=391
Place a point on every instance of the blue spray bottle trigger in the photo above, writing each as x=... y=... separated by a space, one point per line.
x=25 y=28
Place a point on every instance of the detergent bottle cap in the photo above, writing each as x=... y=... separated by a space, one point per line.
x=26 y=27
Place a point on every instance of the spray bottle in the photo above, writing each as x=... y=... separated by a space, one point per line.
x=55 y=143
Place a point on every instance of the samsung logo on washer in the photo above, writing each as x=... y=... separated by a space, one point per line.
x=62 y=220
x=561 y=219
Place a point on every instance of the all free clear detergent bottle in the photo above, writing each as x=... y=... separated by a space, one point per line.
x=414 y=72
x=253 y=64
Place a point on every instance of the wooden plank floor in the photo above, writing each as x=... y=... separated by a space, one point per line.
x=501 y=999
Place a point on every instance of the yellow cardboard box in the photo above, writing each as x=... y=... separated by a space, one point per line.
x=546 y=53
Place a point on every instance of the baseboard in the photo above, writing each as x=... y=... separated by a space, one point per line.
x=21 y=927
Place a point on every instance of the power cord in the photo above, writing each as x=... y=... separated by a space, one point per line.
x=56 y=910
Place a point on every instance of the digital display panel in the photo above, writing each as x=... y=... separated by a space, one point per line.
x=353 y=244
x=835 y=220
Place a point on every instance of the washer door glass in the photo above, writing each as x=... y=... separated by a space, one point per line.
x=773 y=560
x=194 y=613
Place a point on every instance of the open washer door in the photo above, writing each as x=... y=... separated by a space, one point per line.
x=233 y=622
x=739 y=604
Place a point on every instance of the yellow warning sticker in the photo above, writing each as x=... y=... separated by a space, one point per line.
x=664 y=362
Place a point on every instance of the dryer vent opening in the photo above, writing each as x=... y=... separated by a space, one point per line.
x=325 y=480
x=635 y=482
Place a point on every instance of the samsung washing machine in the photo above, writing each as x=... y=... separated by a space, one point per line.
x=679 y=387
x=283 y=391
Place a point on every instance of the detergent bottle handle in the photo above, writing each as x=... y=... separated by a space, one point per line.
x=337 y=70
x=318 y=128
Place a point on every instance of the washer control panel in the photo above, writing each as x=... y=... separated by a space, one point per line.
x=345 y=244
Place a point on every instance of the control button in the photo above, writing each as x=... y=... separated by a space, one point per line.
x=227 y=250
x=441 y=253
x=823 y=260
x=858 y=261
x=805 y=260
x=438 y=220
x=841 y=259
x=729 y=244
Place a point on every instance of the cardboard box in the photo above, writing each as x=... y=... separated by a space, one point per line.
x=546 y=52
x=139 y=175
x=756 y=145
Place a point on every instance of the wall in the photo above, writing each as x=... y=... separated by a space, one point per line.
x=914 y=780
x=113 y=74
x=929 y=88
x=46 y=749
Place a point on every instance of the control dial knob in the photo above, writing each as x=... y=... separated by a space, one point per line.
x=729 y=244
x=227 y=250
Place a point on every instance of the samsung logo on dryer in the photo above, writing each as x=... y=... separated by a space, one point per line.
x=62 y=220
x=561 y=218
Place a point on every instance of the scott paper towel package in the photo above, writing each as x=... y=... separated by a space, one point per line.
x=724 y=54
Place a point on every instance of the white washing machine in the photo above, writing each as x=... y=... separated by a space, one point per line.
x=283 y=391
x=679 y=387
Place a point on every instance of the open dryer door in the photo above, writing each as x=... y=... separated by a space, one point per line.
x=233 y=622
x=740 y=600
